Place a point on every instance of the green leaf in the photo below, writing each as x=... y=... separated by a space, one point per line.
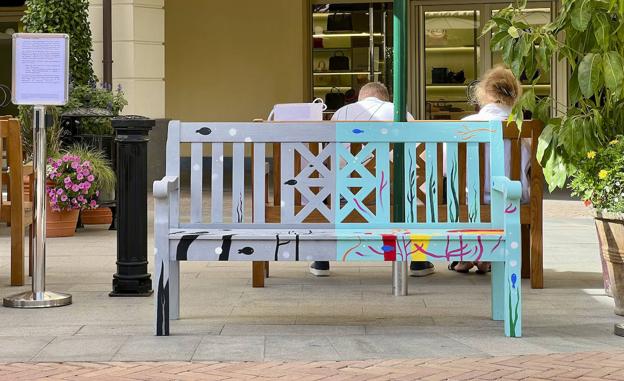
x=589 y=74
x=508 y=50
x=529 y=67
x=612 y=64
x=528 y=100
x=545 y=140
x=602 y=30
x=581 y=14
x=498 y=38
x=513 y=32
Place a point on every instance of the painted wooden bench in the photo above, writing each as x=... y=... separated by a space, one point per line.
x=335 y=182
x=531 y=212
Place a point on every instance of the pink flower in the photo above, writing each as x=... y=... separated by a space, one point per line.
x=74 y=165
x=59 y=191
x=87 y=185
x=63 y=198
x=91 y=178
x=93 y=204
x=80 y=176
x=75 y=188
x=67 y=180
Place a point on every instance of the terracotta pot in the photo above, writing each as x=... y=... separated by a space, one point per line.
x=61 y=224
x=98 y=216
x=610 y=229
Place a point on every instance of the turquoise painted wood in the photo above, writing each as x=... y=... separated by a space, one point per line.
x=431 y=182
x=473 y=185
x=352 y=192
x=452 y=183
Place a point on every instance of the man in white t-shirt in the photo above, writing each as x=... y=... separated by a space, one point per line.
x=373 y=105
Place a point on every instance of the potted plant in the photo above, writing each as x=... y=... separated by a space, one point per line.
x=103 y=183
x=581 y=145
x=70 y=188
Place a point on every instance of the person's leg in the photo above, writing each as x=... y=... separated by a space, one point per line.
x=320 y=268
x=419 y=269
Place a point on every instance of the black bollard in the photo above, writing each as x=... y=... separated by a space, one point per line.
x=131 y=137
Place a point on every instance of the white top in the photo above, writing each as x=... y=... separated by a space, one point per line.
x=496 y=111
x=370 y=108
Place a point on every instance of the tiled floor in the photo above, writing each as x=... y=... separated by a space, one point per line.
x=348 y=316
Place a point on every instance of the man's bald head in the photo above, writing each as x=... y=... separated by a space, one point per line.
x=374 y=89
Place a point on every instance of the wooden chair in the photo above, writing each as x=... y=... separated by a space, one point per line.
x=531 y=213
x=16 y=209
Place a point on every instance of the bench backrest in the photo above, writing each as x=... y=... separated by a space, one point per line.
x=338 y=183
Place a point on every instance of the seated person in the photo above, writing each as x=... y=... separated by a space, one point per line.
x=497 y=93
x=373 y=105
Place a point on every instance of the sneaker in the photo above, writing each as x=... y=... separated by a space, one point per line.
x=419 y=269
x=319 y=268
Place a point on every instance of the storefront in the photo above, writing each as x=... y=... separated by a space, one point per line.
x=232 y=60
x=10 y=14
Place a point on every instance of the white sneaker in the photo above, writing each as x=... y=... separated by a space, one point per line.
x=319 y=268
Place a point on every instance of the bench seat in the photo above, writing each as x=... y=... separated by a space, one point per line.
x=336 y=244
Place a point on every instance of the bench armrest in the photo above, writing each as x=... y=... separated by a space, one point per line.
x=164 y=187
x=511 y=190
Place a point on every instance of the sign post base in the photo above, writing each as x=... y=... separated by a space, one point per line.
x=44 y=299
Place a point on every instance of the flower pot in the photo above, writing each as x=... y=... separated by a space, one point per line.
x=610 y=229
x=97 y=216
x=61 y=224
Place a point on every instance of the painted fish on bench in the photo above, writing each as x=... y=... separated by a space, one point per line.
x=291 y=182
x=204 y=131
x=246 y=250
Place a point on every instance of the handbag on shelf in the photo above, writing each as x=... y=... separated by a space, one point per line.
x=439 y=75
x=290 y=112
x=338 y=22
x=334 y=100
x=317 y=42
x=339 y=62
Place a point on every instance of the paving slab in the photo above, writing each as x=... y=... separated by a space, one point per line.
x=151 y=348
x=80 y=348
x=230 y=348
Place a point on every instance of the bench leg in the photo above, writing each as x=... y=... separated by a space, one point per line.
x=399 y=278
x=257 y=274
x=537 y=250
x=174 y=290
x=266 y=269
x=498 y=288
x=17 y=254
x=161 y=297
x=526 y=251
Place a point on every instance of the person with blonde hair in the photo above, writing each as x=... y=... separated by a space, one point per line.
x=496 y=94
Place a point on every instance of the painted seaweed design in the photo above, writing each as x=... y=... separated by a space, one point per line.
x=513 y=311
x=454 y=212
x=183 y=246
x=162 y=313
x=474 y=211
x=225 y=247
x=279 y=243
x=432 y=196
x=382 y=185
x=296 y=247
x=412 y=185
x=239 y=209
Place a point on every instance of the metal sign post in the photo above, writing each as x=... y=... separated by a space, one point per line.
x=40 y=77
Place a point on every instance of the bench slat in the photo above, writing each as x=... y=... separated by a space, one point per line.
x=197 y=159
x=431 y=182
x=452 y=182
x=411 y=185
x=287 y=202
x=472 y=165
x=173 y=169
x=217 y=183
x=258 y=182
x=238 y=182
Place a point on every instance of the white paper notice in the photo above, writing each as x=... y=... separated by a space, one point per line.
x=40 y=69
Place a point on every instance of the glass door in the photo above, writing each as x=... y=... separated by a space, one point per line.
x=449 y=58
x=351 y=46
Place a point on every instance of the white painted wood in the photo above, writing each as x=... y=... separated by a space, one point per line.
x=287 y=203
x=197 y=159
x=259 y=182
x=216 y=194
x=173 y=169
x=238 y=182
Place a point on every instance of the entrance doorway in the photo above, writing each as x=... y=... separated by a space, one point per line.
x=8 y=26
x=448 y=55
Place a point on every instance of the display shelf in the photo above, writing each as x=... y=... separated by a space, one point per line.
x=449 y=49
x=329 y=73
x=435 y=86
x=346 y=34
x=332 y=87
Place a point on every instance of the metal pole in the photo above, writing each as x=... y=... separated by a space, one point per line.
x=107 y=46
x=399 y=270
x=399 y=278
x=371 y=42
x=39 y=297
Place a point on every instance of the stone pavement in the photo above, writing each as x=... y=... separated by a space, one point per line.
x=350 y=316
x=578 y=366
